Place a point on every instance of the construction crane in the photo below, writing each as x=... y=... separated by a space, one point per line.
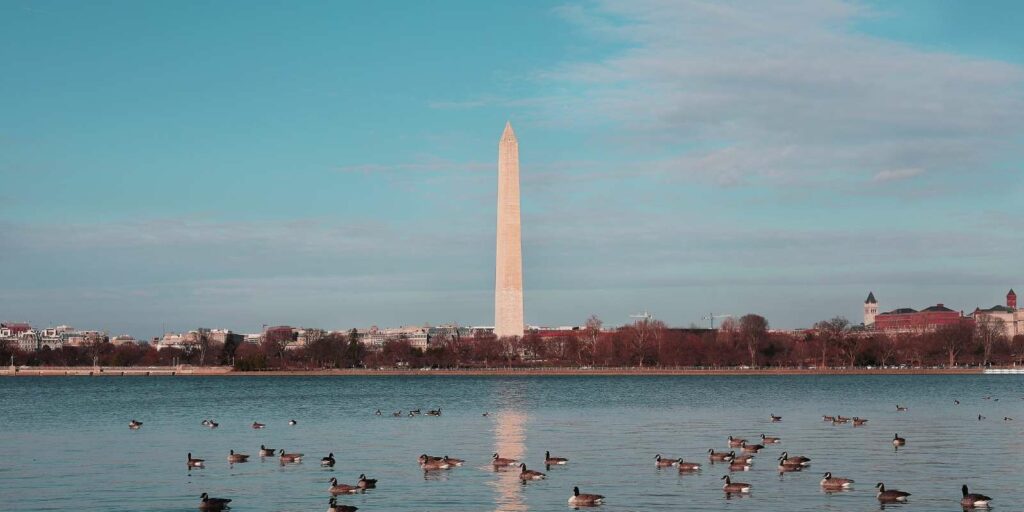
x=711 y=317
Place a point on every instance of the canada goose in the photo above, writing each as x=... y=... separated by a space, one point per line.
x=194 y=463
x=499 y=461
x=1007 y=418
x=739 y=466
x=798 y=460
x=770 y=440
x=293 y=422
x=980 y=417
x=719 y=456
x=454 y=462
x=413 y=412
x=328 y=461
x=859 y=422
x=734 y=487
x=206 y=423
x=842 y=419
x=337 y=488
x=973 y=500
x=289 y=457
x=212 y=424
x=775 y=419
x=213 y=504
x=486 y=414
x=554 y=461
x=741 y=459
x=687 y=466
x=735 y=442
x=431 y=464
x=366 y=483
x=831 y=483
x=891 y=495
x=378 y=413
x=266 y=452
x=529 y=474
x=956 y=402
x=901 y=408
x=257 y=425
x=134 y=425
x=751 y=448
x=828 y=418
x=332 y=506
x=396 y=413
x=584 y=499
x=237 y=457
x=663 y=462
x=897 y=440
x=434 y=412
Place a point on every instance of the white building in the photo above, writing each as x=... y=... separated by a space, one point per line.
x=1009 y=317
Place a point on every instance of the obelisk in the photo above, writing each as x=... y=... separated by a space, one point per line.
x=508 y=270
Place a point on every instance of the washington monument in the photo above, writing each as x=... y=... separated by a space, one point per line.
x=508 y=270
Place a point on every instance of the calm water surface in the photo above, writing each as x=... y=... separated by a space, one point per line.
x=65 y=445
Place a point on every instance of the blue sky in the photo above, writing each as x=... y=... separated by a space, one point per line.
x=229 y=164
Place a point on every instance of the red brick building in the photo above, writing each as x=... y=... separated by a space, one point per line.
x=912 y=321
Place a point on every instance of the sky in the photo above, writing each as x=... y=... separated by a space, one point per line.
x=171 y=165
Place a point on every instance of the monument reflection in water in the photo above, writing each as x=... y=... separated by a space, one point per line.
x=510 y=443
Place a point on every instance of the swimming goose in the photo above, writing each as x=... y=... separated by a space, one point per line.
x=891 y=495
x=687 y=466
x=554 y=461
x=901 y=408
x=332 y=506
x=734 y=487
x=266 y=452
x=956 y=402
x=859 y=422
x=134 y=425
x=337 y=488
x=434 y=412
x=584 y=499
x=980 y=417
x=194 y=463
x=739 y=466
x=529 y=474
x=328 y=461
x=897 y=440
x=396 y=413
x=499 y=461
x=1007 y=418
x=842 y=419
x=212 y=424
x=451 y=460
x=741 y=459
x=828 y=418
x=751 y=448
x=775 y=418
x=973 y=500
x=734 y=442
x=237 y=457
x=293 y=422
x=432 y=465
x=257 y=425
x=290 y=457
x=413 y=412
x=366 y=483
x=832 y=483
x=213 y=504
x=378 y=413
x=798 y=460
x=663 y=462
x=770 y=440
x=719 y=456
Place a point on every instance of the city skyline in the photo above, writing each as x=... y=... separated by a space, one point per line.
x=684 y=158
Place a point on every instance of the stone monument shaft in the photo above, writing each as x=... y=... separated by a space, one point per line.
x=508 y=272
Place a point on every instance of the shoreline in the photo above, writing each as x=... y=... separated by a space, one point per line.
x=211 y=371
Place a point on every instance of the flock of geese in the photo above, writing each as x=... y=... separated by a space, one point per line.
x=736 y=462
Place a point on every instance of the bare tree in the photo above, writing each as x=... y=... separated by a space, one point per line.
x=592 y=333
x=953 y=339
x=990 y=332
x=753 y=332
x=832 y=333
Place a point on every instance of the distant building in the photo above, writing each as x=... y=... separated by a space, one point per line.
x=1008 y=317
x=870 y=310
x=375 y=338
x=909 y=320
x=123 y=339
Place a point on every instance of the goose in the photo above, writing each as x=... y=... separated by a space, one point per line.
x=529 y=474
x=788 y=468
x=206 y=423
x=378 y=413
x=842 y=419
x=413 y=412
x=741 y=459
x=663 y=462
x=832 y=483
x=237 y=457
x=332 y=506
x=739 y=466
x=901 y=408
x=134 y=425
x=292 y=422
x=719 y=456
x=194 y=463
x=212 y=424
x=486 y=414
x=554 y=461
x=687 y=466
x=980 y=417
x=775 y=419
x=798 y=460
x=432 y=465
x=499 y=461
x=859 y=422
x=751 y=448
x=328 y=461
x=733 y=487
x=453 y=461
x=396 y=414
x=213 y=504
x=366 y=483
x=770 y=440
x=828 y=418
x=434 y=412
x=891 y=495
x=973 y=500
x=1007 y=418
x=337 y=488
x=290 y=457
x=584 y=499
x=735 y=442
x=956 y=402
x=266 y=452
x=897 y=440
x=257 y=425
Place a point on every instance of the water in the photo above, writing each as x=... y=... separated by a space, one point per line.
x=65 y=444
